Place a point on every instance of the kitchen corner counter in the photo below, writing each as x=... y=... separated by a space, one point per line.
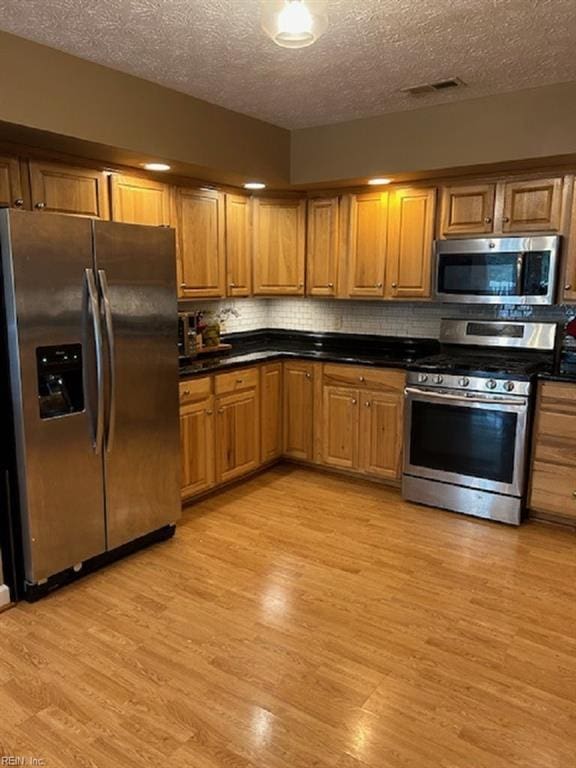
x=356 y=349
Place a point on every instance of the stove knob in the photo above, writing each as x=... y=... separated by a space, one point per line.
x=464 y=381
x=509 y=386
x=439 y=379
x=491 y=384
x=422 y=378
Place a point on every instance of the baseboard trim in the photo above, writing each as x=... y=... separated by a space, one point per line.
x=5 y=600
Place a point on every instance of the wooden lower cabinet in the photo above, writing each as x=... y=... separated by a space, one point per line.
x=381 y=434
x=299 y=410
x=237 y=434
x=271 y=411
x=345 y=417
x=340 y=427
x=553 y=476
x=362 y=431
x=197 y=447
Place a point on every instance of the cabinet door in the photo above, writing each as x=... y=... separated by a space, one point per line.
x=271 y=408
x=381 y=434
x=366 y=251
x=140 y=201
x=410 y=241
x=10 y=182
x=532 y=206
x=238 y=245
x=279 y=247
x=340 y=427
x=569 y=290
x=67 y=189
x=553 y=490
x=201 y=243
x=322 y=247
x=197 y=447
x=299 y=410
x=237 y=434
x=468 y=209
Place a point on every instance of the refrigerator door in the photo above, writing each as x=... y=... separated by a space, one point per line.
x=53 y=328
x=137 y=277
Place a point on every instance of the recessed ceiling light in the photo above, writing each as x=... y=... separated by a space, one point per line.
x=156 y=167
x=377 y=182
x=254 y=185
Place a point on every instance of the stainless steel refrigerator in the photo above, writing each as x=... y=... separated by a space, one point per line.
x=90 y=313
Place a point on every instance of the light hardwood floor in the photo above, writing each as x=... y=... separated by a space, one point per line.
x=305 y=621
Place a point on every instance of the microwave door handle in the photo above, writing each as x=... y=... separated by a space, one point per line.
x=521 y=273
x=463 y=399
x=94 y=312
x=110 y=341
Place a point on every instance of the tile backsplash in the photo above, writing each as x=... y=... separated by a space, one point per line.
x=383 y=318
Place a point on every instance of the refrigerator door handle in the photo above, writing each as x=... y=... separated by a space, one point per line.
x=94 y=310
x=111 y=358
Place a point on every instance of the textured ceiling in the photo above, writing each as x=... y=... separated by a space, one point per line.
x=215 y=50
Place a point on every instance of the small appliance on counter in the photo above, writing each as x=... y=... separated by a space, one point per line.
x=187 y=335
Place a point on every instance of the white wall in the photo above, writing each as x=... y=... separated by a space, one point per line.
x=381 y=318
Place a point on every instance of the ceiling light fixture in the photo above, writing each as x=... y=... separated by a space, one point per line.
x=294 y=23
x=379 y=181
x=254 y=185
x=156 y=167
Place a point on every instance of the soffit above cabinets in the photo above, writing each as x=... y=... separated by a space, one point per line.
x=215 y=50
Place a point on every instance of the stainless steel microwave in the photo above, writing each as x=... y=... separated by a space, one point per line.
x=498 y=270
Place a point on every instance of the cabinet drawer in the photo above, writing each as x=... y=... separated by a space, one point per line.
x=559 y=397
x=387 y=380
x=245 y=378
x=553 y=490
x=195 y=389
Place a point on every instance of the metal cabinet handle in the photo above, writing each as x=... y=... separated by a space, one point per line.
x=40 y=206
x=220 y=410
x=367 y=404
x=377 y=285
x=19 y=202
x=361 y=378
x=568 y=287
x=239 y=381
x=394 y=285
x=354 y=401
x=330 y=285
x=574 y=494
x=97 y=331
x=111 y=359
x=505 y=219
x=182 y=285
x=185 y=393
x=308 y=375
x=232 y=285
x=488 y=220
x=300 y=285
x=209 y=413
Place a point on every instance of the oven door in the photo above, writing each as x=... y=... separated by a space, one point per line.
x=476 y=441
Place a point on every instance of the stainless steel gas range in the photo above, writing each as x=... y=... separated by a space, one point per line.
x=468 y=411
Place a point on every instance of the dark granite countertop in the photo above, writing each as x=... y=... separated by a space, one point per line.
x=569 y=377
x=268 y=345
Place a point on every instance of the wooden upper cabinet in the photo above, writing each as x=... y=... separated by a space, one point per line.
x=366 y=243
x=340 y=427
x=299 y=410
x=532 y=206
x=67 y=189
x=238 y=245
x=322 y=247
x=271 y=389
x=279 y=247
x=569 y=285
x=10 y=182
x=137 y=200
x=468 y=209
x=201 y=243
x=410 y=240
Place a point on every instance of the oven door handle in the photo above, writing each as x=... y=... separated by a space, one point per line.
x=462 y=399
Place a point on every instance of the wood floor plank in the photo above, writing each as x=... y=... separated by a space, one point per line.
x=303 y=620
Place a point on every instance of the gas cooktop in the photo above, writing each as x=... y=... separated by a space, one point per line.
x=497 y=363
